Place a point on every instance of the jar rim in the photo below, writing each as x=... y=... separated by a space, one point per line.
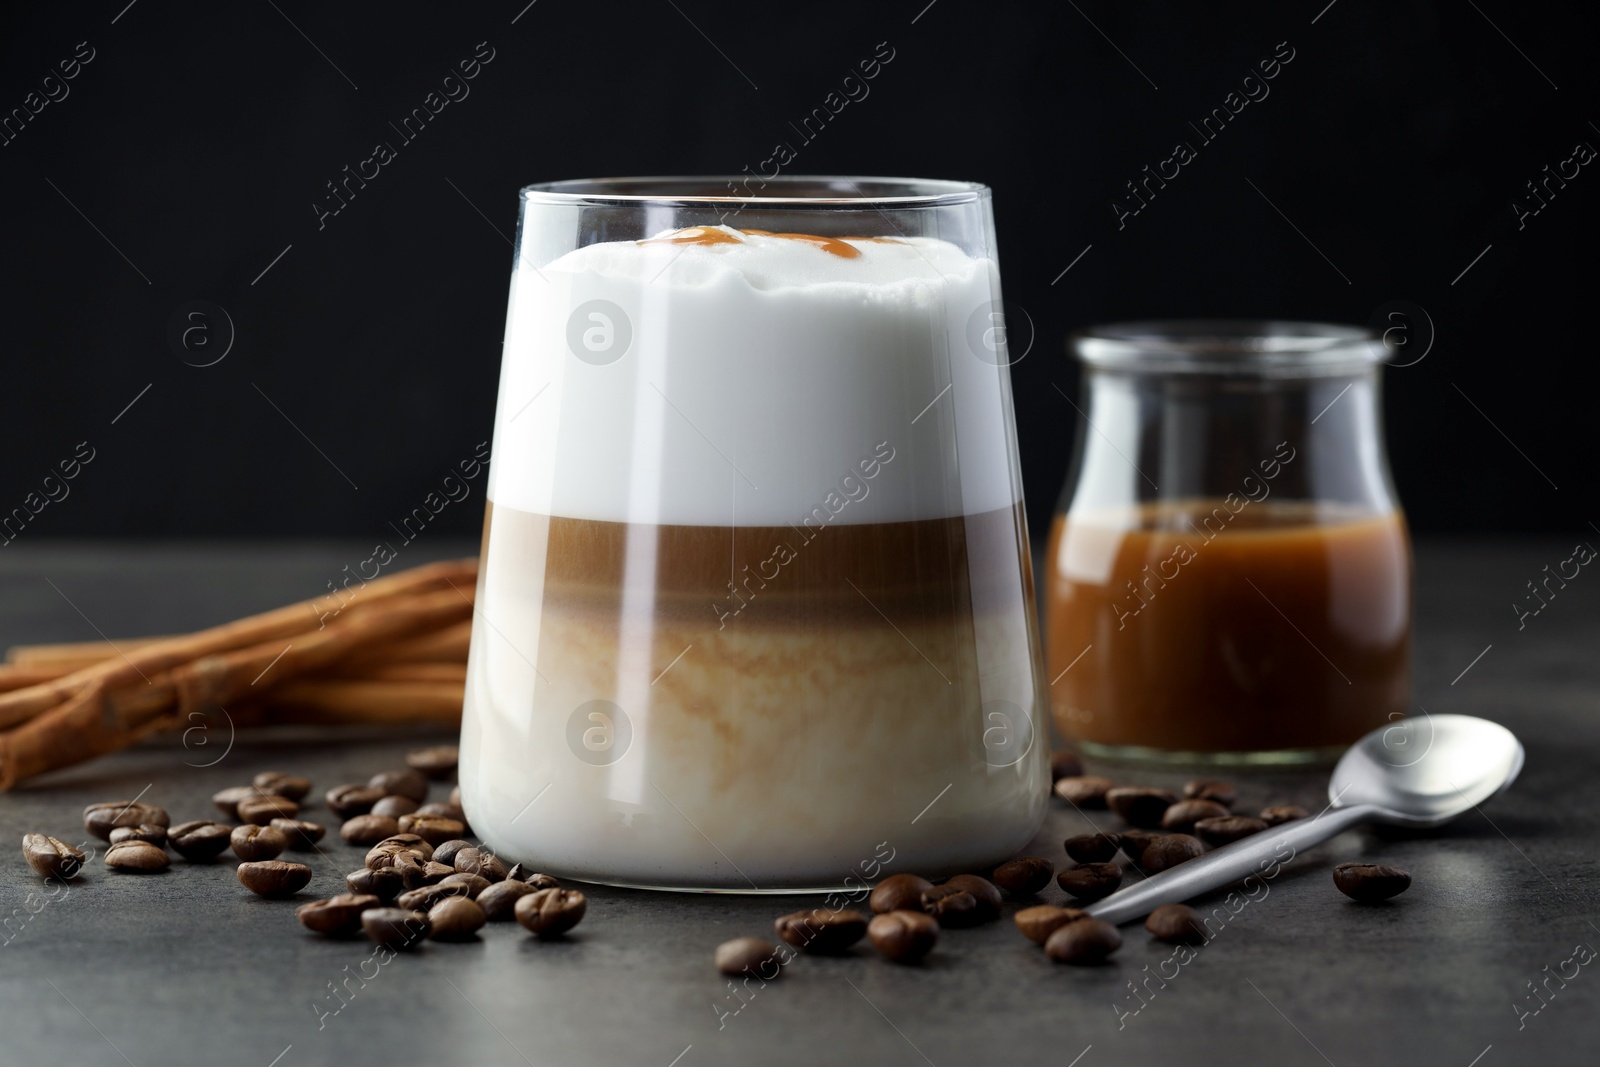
x=815 y=190
x=1250 y=347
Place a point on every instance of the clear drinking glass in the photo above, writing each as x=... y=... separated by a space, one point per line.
x=755 y=611
x=1229 y=573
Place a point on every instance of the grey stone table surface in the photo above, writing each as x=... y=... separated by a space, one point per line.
x=187 y=967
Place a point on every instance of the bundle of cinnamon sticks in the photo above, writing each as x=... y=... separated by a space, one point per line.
x=396 y=652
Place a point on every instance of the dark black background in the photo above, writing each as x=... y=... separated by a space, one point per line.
x=201 y=134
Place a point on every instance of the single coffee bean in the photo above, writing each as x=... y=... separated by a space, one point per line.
x=385 y=884
x=826 y=931
x=426 y=897
x=101 y=819
x=1039 y=922
x=449 y=811
x=1169 y=850
x=338 y=916
x=1024 y=877
x=1084 y=941
x=399 y=843
x=1132 y=844
x=274 y=878
x=434 y=829
x=251 y=842
x=1176 y=923
x=1181 y=817
x=348 y=801
x=953 y=907
x=456 y=919
x=262 y=809
x=897 y=892
x=395 y=929
x=1064 y=763
x=51 y=857
x=140 y=856
x=1228 y=829
x=1093 y=848
x=1278 y=814
x=477 y=861
x=1140 y=806
x=394 y=806
x=549 y=913
x=985 y=892
x=437 y=762
x=199 y=840
x=434 y=872
x=475 y=883
x=499 y=900
x=412 y=869
x=540 y=881
x=1370 y=882
x=1084 y=790
x=368 y=829
x=284 y=785
x=445 y=851
x=303 y=836
x=227 y=800
x=1090 y=881
x=742 y=955
x=406 y=783
x=1223 y=793
x=149 y=833
x=903 y=936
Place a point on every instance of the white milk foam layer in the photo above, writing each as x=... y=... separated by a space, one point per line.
x=745 y=383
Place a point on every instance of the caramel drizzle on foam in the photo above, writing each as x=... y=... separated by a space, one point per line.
x=709 y=235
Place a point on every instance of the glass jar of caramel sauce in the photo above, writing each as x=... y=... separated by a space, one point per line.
x=1228 y=577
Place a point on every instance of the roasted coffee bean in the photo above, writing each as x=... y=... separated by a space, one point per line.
x=385 y=884
x=394 y=806
x=199 y=840
x=742 y=955
x=1038 y=923
x=434 y=829
x=477 y=861
x=395 y=928
x=406 y=783
x=368 y=829
x=397 y=843
x=1084 y=941
x=952 y=906
x=149 y=833
x=1228 y=829
x=475 y=883
x=1181 y=817
x=985 y=892
x=413 y=869
x=445 y=851
x=303 y=836
x=1140 y=805
x=1090 y=881
x=284 y=785
x=1064 y=763
x=1024 y=877
x=456 y=919
x=1278 y=814
x=437 y=762
x=348 y=801
x=426 y=897
x=549 y=913
x=1176 y=923
x=449 y=811
x=1370 y=882
x=898 y=892
x=101 y=819
x=1084 y=790
x=1134 y=842
x=338 y=916
x=826 y=931
x=1093 y=848
x=434 y=872
x=262 y=809
x=1223 y=793
x=51 y=856
x=903 y=936
x=1169 y=850
x=251 y=842
x=140 y=856
x=499 y=900
x=274 y=878
x=227 y=800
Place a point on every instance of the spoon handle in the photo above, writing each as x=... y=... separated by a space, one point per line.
x=1261 y=855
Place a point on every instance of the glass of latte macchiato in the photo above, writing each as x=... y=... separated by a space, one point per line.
x=755 y=611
